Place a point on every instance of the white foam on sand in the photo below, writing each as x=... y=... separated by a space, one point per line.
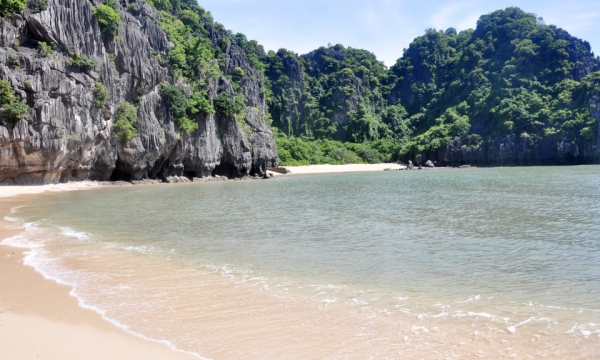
x=10 y=191
x=33 y=239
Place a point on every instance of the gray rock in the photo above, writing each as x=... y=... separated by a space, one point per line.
x=65 y=138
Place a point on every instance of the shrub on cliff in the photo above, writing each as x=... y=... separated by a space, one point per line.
x=126 y=118
x=82 y=63
x=175 y=99
x=108 y=18
x=11 y=6
x=38 y=5
x=199 y=103
x=46 y=49
x=227 y=106
x=12 y=109
x=178 y=105
x=6 y=93
x=100 y=95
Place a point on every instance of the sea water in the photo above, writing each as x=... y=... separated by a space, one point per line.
x=499 y=262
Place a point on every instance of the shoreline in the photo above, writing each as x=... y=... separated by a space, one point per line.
x=33 y=308
x=331 y=169
x=39 y=316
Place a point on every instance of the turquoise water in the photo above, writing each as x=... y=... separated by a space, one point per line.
x=518 y=245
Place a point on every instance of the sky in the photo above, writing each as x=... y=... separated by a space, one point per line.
x=384 y=27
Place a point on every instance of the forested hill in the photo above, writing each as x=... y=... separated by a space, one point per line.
x=514 y=91
x=158 y=89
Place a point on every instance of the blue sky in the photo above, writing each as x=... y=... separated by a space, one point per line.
x=383 y=27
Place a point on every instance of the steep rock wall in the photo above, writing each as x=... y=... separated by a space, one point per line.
x=64 y=137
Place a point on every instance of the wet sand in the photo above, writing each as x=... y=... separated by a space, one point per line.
x=38 y=317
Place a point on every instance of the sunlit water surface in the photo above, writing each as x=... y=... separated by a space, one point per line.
x=416 y=264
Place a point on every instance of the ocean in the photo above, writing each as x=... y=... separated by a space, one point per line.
x=489 y=262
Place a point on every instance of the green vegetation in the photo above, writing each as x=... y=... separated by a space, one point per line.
x=295 y=151
x=513 y=72
x=228 y=106
x=12 y=109
x=38 y=5
x=82 y=63
x=511 y=75
x=13 y=61
x=108 y=17
x=46 y=49
x=133 y=8
x=100 y=95
x=198 y=103
x=195 y=61
x=11 y=6
x=179 y=105
x=126 y=119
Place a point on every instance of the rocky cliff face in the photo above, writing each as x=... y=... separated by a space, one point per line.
x=64 y=137
x=515 y=150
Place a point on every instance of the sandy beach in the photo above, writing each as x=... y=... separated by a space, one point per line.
x=326 y=169
x=38 y=317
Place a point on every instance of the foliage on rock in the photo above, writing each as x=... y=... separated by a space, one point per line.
x=82 y=63
x=126 y=118
x=100 y=95
x=13 y=110
x=511 y=75
x=109 y=18
x=11 y=6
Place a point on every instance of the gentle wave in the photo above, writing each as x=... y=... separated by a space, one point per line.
x=50 y=269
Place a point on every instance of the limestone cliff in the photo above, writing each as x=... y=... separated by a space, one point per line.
x=65 y=137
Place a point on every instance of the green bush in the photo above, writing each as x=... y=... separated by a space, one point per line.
x=13 y=61
x=226 y=106
x=126 y=119
x=178 y=105
x=46 y=49
x=186 y=124
x=164 y=5
x=238 y=74
x=15 y=111
x=371 y=156
x=100 y=95
x=199 y=103
x=11 y=6
x=82 y=63
x=108 y=18
x=344 y=156
x=38 y=5
x=175 y=99
x=133 y=8
x=7 y=95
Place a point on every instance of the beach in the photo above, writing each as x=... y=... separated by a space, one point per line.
x=348 y=168
x=321 y=281
x=38 y=317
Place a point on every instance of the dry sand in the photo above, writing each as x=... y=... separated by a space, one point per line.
x=38 y=318
x=325 y=169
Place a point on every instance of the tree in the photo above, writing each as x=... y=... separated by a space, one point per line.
x=108 y=18
x=126 y=117
x=11 y=6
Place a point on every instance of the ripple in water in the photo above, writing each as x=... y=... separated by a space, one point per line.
x=482 y=262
